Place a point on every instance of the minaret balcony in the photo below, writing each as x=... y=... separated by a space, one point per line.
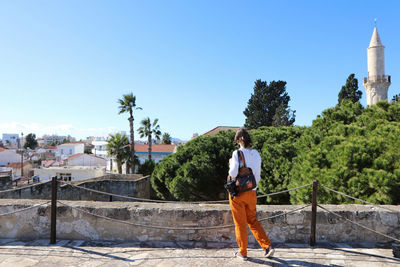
x=377 y=79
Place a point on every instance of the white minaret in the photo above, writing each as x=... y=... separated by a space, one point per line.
x=377 y=83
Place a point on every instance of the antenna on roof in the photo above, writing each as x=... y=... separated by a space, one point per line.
x=375 y=21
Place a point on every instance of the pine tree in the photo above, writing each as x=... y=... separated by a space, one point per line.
x=396 y=98
x=350 y=90
x=30 y=141
x=269 y=105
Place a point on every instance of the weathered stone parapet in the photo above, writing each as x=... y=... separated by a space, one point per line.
x=295 y=227
x=126 y=185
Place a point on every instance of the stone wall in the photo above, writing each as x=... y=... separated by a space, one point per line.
x=73 y=224
x=5 y=181
x=128 y=185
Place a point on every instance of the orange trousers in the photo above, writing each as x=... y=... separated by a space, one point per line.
x=244 y=212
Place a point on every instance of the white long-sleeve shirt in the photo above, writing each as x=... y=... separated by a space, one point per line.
x=253 y=161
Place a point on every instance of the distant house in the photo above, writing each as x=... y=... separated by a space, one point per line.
x=83 y=159
x=158 y=152
x=47 y=153
x=40 y=142
x=49 y=139
x=16 y=167
x=69 y=173
x=8 y=156
x=100 y=148
x=10 y=140
x=47 y=163
x=221 y=128
x=69 y=149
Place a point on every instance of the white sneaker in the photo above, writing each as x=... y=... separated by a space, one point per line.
x=240 y=256
x=269 y=252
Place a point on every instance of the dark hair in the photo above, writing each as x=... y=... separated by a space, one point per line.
x=242 y=133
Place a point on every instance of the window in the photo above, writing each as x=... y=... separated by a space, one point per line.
x=64 y=176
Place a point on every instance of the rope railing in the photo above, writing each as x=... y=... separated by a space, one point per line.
x=175 y=228
x=358 y=224
x=284 y=191
x=136 y=198
x=357 y=199
x=313 y=205
x=24 y=209
x=169 y=201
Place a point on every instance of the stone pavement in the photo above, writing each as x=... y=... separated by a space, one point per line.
x=16 y=253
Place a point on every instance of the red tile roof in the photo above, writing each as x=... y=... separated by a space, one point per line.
x=155 y=148
x=17 y=165
x=221 y=128
x=80 y=154
x=75 y=156
x=46 y=163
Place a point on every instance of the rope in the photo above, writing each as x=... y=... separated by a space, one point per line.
x=16 y=189
x=362 y=226
x=366 y=202
x=284 y=191
x=167 y=201
x=24 y=209
x=285 y=213
x=172 y=228
x=136 y=198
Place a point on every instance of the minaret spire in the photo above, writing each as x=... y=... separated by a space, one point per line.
x=375 y=39
x=377 y=83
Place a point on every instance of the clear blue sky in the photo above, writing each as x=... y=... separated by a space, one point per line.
x=191 y=64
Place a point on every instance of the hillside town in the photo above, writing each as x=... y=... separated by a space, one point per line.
x=70 y=160
x=66 y=158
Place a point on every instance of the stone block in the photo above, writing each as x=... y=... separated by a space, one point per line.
x=295 y=218
x=389 y=218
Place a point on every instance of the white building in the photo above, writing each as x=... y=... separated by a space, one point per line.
x=40 y=142
x=69 y=149
x=8 y=156
x=86 y=160
x=69 y=173
x=158 y=152
x=10 y=140
x=48 y=139
x=100 y=147
x=377 y=83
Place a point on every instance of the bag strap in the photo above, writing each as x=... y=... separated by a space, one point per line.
x=241 y=157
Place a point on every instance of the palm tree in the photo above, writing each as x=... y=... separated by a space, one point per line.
x=166 y=139
x=118 y=147
x=149 y=129
x=128 y=104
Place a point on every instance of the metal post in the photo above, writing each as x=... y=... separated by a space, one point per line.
x=22 y=155
x=53 y=210
x=313 y=213
x=22 y=163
